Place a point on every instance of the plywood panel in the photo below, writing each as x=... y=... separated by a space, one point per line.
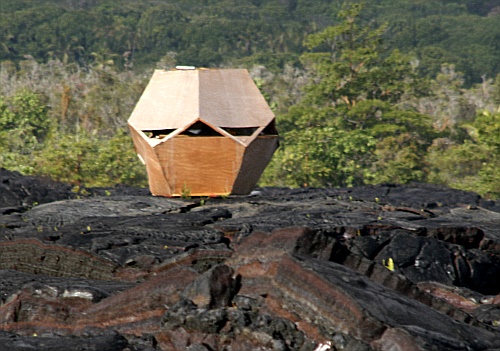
x=157 y=182
x=256 y=158
x=200 y=166
x=230 y=98
x=170 y=101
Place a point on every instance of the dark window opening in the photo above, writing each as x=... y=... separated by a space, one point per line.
x=158 y=134
x=200 y=129
x=240 y=131
x=270 y=129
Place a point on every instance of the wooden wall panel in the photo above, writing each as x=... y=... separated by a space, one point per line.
x=200 y=166
x=157 y=183
x=256 y=158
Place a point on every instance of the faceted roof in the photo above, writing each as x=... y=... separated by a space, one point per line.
x=226 y=98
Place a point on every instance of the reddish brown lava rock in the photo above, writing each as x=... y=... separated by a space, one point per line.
x=148 y=300
x=135 y=310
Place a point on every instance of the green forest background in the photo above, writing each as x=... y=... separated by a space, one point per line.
x=390 y=91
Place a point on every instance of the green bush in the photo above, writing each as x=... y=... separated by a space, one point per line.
x=24 y=125
x=472 y=165
x=93 y=161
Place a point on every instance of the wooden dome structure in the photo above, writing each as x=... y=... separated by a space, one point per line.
x=203 y=132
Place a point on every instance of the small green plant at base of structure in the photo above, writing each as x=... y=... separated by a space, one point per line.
x=186 y=192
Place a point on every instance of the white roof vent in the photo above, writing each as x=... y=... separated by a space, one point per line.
x=185 y=67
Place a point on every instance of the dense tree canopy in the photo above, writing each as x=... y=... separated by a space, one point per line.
x=465 y=33
x=349 y=116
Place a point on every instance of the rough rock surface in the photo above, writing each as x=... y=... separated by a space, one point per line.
x=386 y=267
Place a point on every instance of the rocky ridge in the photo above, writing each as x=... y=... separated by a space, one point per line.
x=387 y=267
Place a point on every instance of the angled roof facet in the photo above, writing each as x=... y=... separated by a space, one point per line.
x=222 y=98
